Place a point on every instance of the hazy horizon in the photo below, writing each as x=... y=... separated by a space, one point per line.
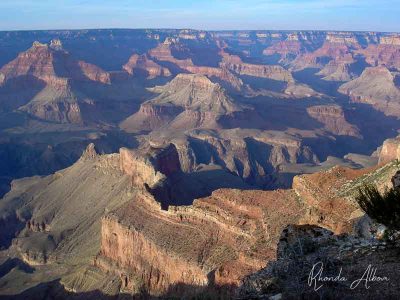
x=195 y=29
x=339 y=15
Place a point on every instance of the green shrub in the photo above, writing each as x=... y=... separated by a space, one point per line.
x=382 y=208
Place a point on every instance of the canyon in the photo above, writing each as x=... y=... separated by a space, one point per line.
x=174 y=163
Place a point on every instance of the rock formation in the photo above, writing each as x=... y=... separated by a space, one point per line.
x=163 y=53
x=58 y=216
x=236 y=212
x=207 y=248
x=335 y=47
x=287 y=49
x=389 y=151
x=151 y=165
x=235 y=64
x=143 y=65
x=212 y=244
x=338 y=69
x=332 y=116
x=52 y=64
x=57 y=71
x=386 y=52
x=305 y=249
x=375 y=86
x=188 y=101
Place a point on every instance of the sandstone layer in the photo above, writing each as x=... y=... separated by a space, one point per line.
x=376 y=86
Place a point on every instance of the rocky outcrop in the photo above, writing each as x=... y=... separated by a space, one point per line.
x=86 y=71
x=56 y=103
x=275 y=72
x=333 y=118
x=389 y=151
x=330 y=194
x=150 y=165
x=142 y=65
x=150 y=117
x=89 y=153
x=375 y=86
x=344 y=38
x=325 y=205
x=262 y=71
x=221 y=75
x=163 y=52
x=298 y=90
x=309 y=254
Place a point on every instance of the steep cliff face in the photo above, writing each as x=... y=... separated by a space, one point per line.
x=143 y=261
x=216 y=241
x=256 y=158
x=332 y=116
x=221 y=238
x=375 y=86
x=389 y=151
x=50 y=62
x=262 y=71
x=149 y=165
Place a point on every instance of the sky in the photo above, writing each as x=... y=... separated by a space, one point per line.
x=357 y=15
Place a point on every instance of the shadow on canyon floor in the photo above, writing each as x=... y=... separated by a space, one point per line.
x=309 y=76
x=12 y=263
x=184 y=188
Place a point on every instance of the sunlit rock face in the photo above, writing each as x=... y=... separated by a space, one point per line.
x=375 y=86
